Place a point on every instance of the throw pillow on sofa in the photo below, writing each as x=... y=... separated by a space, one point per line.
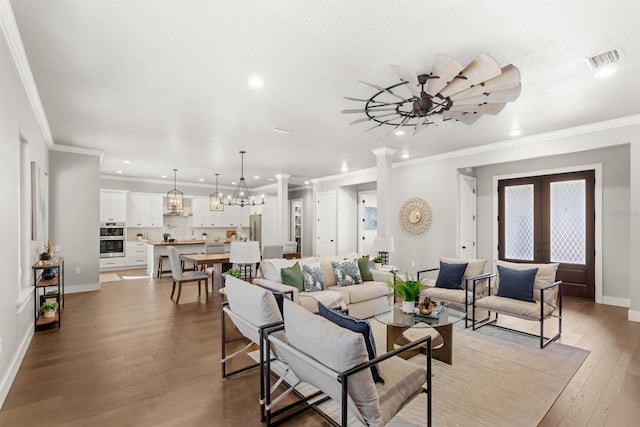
x=346 y=272
x=292 y=276
x=365 y=271
x=313 y=277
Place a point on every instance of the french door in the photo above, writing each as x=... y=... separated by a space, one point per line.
x=551 y=218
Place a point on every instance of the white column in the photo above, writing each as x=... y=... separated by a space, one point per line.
x=283 y=207
x=634 y=228
x=384 y=157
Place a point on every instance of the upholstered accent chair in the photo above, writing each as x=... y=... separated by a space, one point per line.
x=539 y=299
x=335 y=361
x=458 y=289
x=179 y=277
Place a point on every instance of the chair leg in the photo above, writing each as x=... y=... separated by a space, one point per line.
x=199 y=289
x=173 y=289
x=159 y=267
x=179 y=291
x=206 y=289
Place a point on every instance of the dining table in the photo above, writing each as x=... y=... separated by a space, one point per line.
x=223 y=258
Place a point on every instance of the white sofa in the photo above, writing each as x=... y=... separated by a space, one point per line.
x=362 y=300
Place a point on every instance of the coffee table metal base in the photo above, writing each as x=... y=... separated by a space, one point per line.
x=443 y=353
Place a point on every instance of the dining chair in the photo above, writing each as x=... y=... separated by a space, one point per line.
x=290 y=246
x=181 y=277
x=215 y=248
x=272 y=251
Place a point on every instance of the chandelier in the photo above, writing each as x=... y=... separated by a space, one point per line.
x=174 y=197
x=216 y=202
x=450 y=91
x=242 y=196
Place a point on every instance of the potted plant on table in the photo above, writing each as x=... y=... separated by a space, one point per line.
x=234 y=272
x=48 y=309
x=139 y=236
x=408 y=290
x=165 y=236
x=204 y=236
x=377 y=262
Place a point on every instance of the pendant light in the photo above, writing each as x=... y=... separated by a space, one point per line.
x=216 y=202
x=242 y=196
x=174 y=197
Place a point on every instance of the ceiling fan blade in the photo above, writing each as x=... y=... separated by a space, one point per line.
x=399 y=125
x=379 y=124
x=509 y=78
x=445 y=69
x=382 y=89
x=420 y=124
x=479 y=70
x=480 y=109
x=366 y=119
x=506 y=95
x=410 y=77
x=466 y=118
x=364 y=111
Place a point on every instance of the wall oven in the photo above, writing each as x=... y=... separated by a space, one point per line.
x=113 y=236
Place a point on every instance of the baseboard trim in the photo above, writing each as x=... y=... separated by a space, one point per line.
x=634 y=316
x=88 y=287
x=618 y=302
x=7 y=380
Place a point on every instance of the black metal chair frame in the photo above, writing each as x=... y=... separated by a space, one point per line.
x=343 y=378
x=474 y=280
x=544 y=341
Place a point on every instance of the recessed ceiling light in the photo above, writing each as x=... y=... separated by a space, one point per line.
x=280 y=130
x=256 y=177
x=307 y=183
x=344 y=168
x=163 y=176
x=405 y=155
x=200 y=179
x=270 y=179
x=605 y=72
x=126 y=162
x=256 y=81
x=118 y=171
x=399 y=132
x=233 y=183
x=515 y=132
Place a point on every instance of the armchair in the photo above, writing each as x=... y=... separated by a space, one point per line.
x=464 y=287
x=334 y=360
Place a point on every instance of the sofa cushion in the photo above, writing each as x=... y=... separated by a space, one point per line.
x=365 y=271
x=546 y=275
x=337 y=348
x=358 y=293
x=475 y=267
x=448 y=295
x=346 y=272
x=403 y=379
x=514 y=307
x=356 y=325
x=517 y=284
x=292 y=276
x=313 y=277
x=270 y=268
x=450 y=275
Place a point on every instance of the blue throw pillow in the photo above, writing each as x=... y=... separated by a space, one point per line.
x=355 y=325
x=450 y=275
x=516 y=284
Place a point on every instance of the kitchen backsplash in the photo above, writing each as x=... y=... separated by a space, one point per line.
x=180 y=229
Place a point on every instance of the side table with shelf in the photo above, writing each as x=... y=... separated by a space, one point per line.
x=48 y=289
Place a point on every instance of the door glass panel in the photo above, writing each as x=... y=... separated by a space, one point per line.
x=568 y=222
x=518 y=224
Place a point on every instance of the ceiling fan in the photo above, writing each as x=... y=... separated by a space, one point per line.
x=450 y=91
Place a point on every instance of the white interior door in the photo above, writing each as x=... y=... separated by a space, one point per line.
x=326 y=223
x=367 y=222
x=467 y=218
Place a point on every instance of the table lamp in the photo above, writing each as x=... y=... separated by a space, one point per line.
x=246 y=255
x=384 y=245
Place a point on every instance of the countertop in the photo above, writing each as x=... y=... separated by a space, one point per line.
x=183 y=242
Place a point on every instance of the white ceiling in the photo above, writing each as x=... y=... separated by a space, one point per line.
x=163 y=84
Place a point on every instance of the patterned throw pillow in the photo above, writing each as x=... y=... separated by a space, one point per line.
x=347 y=272
x=313 y=277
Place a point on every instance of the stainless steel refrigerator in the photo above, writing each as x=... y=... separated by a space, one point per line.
x=255 y=228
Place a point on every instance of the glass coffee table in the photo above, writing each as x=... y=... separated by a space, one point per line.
x=398 y=322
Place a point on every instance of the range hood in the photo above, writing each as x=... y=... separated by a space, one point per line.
x=186 y=208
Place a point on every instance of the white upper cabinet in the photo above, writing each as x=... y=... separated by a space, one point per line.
x=113 y=206
x=202 y=216
x=235 y=216
x=144 y=210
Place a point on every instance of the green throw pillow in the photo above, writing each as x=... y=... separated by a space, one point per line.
x=365 y=273
x=292 y=276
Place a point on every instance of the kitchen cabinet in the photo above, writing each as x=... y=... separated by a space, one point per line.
x=113 y=206
x=110 y=263
x=144 y=210
x=202 y=216
x=234 y=216
x=136 y=254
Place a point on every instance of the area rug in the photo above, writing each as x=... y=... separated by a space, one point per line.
x=109 y=277
x=498 y=378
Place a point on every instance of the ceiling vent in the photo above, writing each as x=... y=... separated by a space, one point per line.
x=603 y=59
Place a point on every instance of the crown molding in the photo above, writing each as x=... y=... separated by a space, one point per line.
x=78 y=150
x=12 y=35
x=343 y=175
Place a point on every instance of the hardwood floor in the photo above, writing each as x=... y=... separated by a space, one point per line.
x=129 y=356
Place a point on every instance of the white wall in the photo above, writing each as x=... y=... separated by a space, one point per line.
x=17 y=251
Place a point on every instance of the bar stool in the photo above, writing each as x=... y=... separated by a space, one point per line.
x=161 y=258
x=193 y=268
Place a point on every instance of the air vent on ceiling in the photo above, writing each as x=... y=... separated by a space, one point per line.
x=603 y=59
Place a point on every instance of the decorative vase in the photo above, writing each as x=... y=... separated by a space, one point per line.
x=51 y=313
x=377 y=265
x=408 y=306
